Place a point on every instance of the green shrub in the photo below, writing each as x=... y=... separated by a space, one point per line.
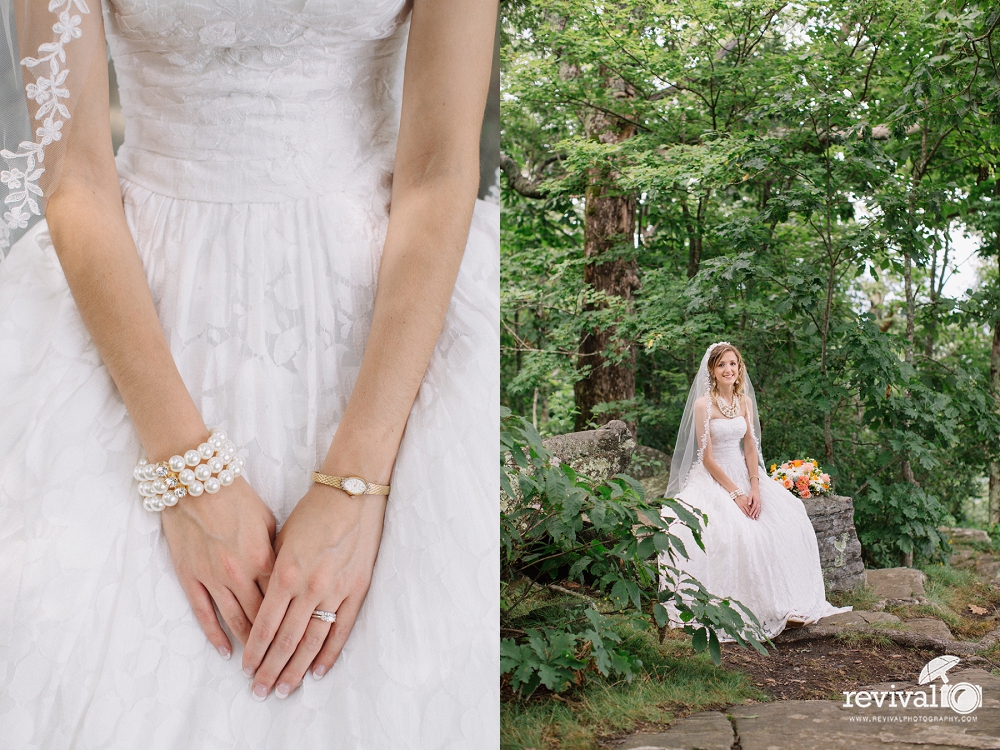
x=556 y=525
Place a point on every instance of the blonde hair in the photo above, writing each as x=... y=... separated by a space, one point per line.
x=713 y=359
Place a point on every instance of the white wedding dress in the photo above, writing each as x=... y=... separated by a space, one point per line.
x=255 y=176
x=769 y=564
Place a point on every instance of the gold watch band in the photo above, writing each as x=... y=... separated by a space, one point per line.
x=351 y=485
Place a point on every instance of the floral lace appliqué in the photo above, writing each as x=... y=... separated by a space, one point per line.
x=47 y=92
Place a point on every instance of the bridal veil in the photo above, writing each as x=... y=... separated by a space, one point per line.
x=47 y=52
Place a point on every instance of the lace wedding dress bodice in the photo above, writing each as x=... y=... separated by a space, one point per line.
x=258 y=101
x=727 y=438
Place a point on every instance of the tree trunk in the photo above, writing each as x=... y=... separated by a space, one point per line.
x=609 y=229
x=994 y=506
x=994 y=501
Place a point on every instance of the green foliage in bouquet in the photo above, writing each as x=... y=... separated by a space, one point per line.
x=558 y=526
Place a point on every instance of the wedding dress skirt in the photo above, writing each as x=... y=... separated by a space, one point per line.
x=255 y=182
x=769 y=564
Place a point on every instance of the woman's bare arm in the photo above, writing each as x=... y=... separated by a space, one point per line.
x=87 y=224
x=327 y=548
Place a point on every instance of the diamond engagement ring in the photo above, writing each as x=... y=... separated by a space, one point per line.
x=325 y=616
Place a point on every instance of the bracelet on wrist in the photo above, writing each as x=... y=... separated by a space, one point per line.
x=735 y=494
x=207 y=468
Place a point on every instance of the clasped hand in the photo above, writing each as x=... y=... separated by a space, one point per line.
x=322 y=559
x=750 y=504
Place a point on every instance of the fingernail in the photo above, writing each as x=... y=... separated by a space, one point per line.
x=259 y=692
x=282 y=690
x=249 y=671
x=224 y=652
x=319 y=671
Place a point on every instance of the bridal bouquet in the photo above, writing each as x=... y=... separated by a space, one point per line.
x=801 y=477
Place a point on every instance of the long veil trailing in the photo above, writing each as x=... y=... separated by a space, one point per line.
x=47 y=51
x=692 y=439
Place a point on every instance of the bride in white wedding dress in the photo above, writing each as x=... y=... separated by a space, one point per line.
x=238 y=267
x=760 y=547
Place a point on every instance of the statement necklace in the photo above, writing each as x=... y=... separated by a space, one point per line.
x=730 y=411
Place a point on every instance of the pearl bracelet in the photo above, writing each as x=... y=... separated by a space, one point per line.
x=735 y=494
x=207 y=468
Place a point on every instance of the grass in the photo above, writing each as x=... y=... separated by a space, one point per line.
x=676 y=682
x=860 y=599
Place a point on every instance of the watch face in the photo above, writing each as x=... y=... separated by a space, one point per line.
x=354 y=485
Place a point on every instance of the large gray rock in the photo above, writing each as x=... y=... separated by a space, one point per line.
x=832 y=517
x=958 y=536
x=648 y=462
x=708 y=730
x=896 y=583
x=859 y=617
x=828 y=725
x=931 y=626
x=596 y=454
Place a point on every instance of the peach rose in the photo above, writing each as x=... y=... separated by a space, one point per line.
x=788 y=484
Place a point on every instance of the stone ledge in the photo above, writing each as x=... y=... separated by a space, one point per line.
x=596 y=454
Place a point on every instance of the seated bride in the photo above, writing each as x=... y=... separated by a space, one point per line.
x=760 y=547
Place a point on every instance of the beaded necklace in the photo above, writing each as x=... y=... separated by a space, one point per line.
x=729 y=411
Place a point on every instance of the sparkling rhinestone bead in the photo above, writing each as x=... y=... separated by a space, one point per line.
x=202 y=472
x=226 y=477
x=212 y=486
x=176 y=463
x=180 y=492
x=192 y=458
x=171 y=482
x=162 y=469
x=195 y=488
x=215 y=464
x=186 y=476
x=206 y=450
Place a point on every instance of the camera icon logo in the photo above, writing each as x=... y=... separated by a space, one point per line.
x=962 y=697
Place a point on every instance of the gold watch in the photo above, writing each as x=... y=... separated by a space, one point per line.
x=351 y=485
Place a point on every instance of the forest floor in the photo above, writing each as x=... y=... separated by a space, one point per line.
x=679 y=683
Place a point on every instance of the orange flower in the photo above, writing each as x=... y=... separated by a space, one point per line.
x=788 y=484
x=805 y=494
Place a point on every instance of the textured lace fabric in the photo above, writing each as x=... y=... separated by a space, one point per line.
x=255 y=177
x=769 y=564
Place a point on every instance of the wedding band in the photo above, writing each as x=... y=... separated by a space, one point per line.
x=319 y=614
